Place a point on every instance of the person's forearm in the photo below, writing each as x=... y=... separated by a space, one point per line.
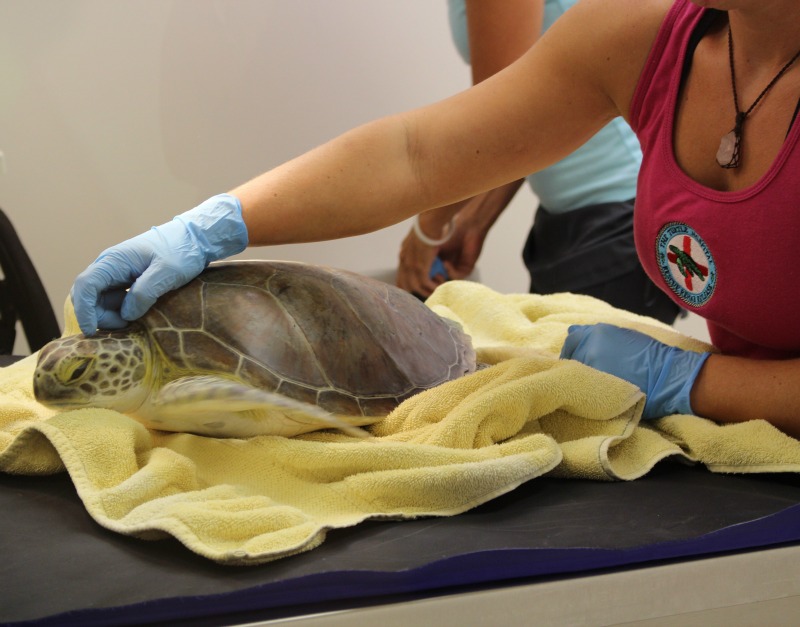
x=483 y=211
x=734 y=389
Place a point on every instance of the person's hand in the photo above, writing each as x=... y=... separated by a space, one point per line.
x=414 y=267
x=664 y=373
x=155 y=262
x=420 y=268
x=460 y=254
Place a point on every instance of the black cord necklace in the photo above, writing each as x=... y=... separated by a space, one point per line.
x=730 y=148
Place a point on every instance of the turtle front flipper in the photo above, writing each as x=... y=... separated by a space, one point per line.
x=220 y=407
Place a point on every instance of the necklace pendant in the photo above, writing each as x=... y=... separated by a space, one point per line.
x=728 y=153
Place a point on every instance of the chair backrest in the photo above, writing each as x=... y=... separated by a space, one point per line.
x=22 y=295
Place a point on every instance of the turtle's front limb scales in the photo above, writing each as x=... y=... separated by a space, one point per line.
x=215 y=406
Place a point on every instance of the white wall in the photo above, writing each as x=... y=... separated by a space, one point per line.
x=117 y=114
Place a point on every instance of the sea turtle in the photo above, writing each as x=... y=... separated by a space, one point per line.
x=260 y=347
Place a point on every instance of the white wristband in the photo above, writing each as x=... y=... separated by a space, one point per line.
x=448 y=233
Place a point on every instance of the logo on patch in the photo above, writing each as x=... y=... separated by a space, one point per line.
x=686 y=263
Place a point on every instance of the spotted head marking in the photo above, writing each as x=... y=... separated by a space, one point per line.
x=112 y=370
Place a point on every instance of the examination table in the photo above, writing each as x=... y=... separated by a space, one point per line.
x=680 y=542
x=679 y=545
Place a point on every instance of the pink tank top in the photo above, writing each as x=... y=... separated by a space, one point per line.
x=731 y=257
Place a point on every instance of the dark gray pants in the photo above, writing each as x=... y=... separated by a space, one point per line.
x=591 y=251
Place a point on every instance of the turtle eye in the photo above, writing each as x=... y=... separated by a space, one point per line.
x=78 y=370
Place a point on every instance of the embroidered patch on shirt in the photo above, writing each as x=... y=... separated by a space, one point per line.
x=686 y=263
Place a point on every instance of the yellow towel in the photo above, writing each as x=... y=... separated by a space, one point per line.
x=503 y=326
x=440 y=453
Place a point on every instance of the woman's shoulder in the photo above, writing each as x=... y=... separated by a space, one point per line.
x=615 y=38
x=628 y=26
x=625 y=10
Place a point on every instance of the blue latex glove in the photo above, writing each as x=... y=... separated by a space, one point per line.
x=438 y=269
x=664 y=373
x=155 y=262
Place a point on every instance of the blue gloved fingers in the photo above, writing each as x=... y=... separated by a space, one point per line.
x=163 y=258
x=664 y=373
x=575 y=336
x=158 y=279
x=613 y=350
x=605 y=347
x=184 y=247
x=84 y=301
x=108 y=306
x=157 y=261
x=108 y=272
x=138 y=300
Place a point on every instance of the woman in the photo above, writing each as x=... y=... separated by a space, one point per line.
x=582 y=236
x=716 y=214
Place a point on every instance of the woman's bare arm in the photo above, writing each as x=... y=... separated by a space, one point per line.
x=735 y=389
x=585 y=70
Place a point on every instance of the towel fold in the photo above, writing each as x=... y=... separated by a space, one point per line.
x=440 y=453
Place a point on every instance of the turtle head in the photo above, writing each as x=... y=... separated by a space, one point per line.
x=113 y=369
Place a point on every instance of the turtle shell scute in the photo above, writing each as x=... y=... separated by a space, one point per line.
x=351 y=344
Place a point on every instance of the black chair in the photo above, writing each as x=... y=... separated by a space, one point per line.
x=22 y=295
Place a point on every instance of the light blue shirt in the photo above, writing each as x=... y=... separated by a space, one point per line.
x=603 y=170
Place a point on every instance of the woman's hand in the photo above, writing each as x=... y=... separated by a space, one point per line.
x=666 y=374
x=155 y=262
